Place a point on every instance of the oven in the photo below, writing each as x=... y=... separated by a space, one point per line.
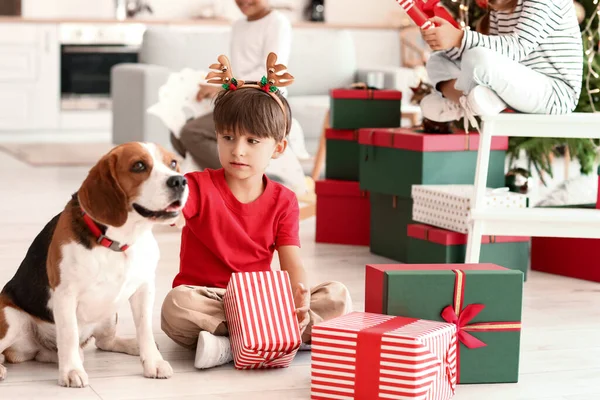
x=87 y=55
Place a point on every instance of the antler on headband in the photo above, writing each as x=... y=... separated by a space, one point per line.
x=225 y=76
x=275 y=78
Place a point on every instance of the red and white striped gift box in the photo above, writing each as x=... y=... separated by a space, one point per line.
x=262 y=321
x=367 y=356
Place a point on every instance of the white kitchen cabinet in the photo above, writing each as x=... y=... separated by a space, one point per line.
x=29 y=76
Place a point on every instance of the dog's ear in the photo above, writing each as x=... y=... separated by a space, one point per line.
x=101 y=196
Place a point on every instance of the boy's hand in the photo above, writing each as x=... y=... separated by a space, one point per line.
x=444 y=36
x=302 y=302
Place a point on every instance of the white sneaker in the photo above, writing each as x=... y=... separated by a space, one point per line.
x=485 y=102
x=437 y=108
x=212 y=351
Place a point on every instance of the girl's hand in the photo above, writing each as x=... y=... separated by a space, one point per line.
x=444 y=36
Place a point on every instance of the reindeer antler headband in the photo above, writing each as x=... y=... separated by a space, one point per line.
x=270 y=83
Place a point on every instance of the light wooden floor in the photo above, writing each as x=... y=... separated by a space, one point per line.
x=560 y=344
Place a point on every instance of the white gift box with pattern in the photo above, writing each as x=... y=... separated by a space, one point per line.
x=449 y=206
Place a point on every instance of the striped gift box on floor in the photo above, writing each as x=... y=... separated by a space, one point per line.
x=260 y=312
x=366 y=356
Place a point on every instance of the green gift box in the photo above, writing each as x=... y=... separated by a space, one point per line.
x=390 y=216
x=483 y=300
x=394 y=159
x=360 y=108
x=341 y=157
x=431 y=245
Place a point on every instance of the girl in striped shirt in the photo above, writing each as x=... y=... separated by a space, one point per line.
x=526 y=55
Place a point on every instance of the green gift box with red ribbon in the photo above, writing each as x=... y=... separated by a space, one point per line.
x=484 y=301
x=362 y=108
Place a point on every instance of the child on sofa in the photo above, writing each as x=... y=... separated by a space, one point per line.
x=261 y=31
x=236 y=217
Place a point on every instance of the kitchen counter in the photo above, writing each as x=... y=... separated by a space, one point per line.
x=198 y=21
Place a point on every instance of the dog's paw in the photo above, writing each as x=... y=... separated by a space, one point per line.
x=2 y=372
x=157 y=369
x=75 y=378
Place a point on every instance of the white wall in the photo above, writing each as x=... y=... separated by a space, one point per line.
x=336 y=11
x=374 y=47
x=163 y=9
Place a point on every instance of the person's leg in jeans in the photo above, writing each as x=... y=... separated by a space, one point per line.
x=443 y=103
x=518 y=86
x=490 y=82
x=199 y=139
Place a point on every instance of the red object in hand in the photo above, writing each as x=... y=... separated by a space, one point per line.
x=416 y=14
x=433 y=8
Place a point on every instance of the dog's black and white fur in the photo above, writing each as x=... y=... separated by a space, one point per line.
x=69 y=286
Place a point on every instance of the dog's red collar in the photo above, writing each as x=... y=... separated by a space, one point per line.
x=101 y=239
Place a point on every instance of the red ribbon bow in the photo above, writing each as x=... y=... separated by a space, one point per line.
x=461 y=322
x=461 y=317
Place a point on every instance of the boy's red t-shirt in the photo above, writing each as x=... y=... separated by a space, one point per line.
x=223 y=236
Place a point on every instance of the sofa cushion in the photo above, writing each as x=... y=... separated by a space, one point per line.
x=310 y=112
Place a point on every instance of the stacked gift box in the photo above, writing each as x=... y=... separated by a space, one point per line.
x=483 y=301
x=425 y=329
x=442 y=213
x=393 y=160
x=343 y=209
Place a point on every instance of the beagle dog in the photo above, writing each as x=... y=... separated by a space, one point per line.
x=88 y=260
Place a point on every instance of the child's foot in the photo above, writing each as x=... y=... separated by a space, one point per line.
x=437 y=108
x=484 y=101
x=212 y=351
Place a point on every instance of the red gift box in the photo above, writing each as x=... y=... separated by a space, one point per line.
x=343 y=213
x=368 y=356
x=572 y=257
x=262 y=321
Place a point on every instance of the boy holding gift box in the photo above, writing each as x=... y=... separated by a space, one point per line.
x=235 y=218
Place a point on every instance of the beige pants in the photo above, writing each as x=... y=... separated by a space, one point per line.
x=187 y=310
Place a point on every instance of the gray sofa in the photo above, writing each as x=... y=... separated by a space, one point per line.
x=321 y=59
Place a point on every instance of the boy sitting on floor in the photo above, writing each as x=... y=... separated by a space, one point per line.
x=236 y=217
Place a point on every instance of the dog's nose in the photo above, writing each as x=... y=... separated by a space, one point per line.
x=176 y=182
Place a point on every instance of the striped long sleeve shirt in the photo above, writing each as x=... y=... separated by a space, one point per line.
x=543 y=35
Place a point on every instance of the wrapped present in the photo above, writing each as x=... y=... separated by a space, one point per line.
x=431 y=245
x=341 y=157
x=390 y=216
x=449 y=206
x=393 y=160
x=263 y=326
x=483 y=300
x=343 y=213
x=360 y=107
x=572 y=257
x=367 y=356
